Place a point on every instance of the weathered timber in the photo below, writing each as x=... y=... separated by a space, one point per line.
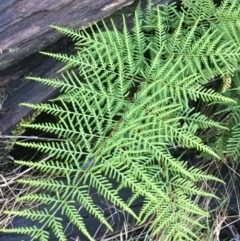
x=24 y=25
x=24 y=30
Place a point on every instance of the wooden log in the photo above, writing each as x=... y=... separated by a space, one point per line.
x=25 y=24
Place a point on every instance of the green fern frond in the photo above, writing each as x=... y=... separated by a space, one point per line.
x=53 y=222
x=61 y=202
x=227 y=81
x=51 y=167
x=33 y=231
x=233 y=144
x=204 y=10
x=58 y=150
x=126 y=102
x=200 y=121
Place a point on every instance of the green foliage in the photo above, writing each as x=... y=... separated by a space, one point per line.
x=126 y=102
x=227 y=143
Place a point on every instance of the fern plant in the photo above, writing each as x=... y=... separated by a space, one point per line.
x=127 y=100
x=227 y=141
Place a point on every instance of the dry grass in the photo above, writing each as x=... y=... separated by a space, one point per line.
x=225 y=209
x=10 y=189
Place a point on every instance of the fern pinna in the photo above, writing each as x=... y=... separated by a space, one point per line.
x=126 y=102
